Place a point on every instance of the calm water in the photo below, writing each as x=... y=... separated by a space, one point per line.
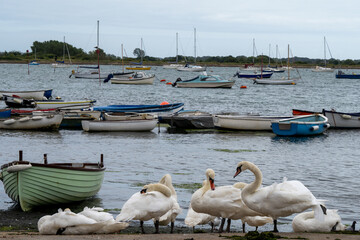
x=327 y=164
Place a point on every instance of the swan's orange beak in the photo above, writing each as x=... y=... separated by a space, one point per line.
x=143 y=191
x=238 y=171
x=212 y=184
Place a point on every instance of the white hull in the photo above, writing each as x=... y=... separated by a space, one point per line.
x=173 y=66
x=119 y=126
x=245 y=122
x=128 y=116
x=191 y=69
x=276 y=81
x=148 y=80
x=322 y=69
x=91 y=75
x=56 y=65
x=51 y=121
x=68 y=105
x=36 y=95
x=204 y=85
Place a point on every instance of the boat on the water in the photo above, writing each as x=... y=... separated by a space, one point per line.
x=162 y=109
x=64 y=104
x=32 y=94
x=305 y=125
x=248 y=122
x=253 y=75
x=204 y=81
x=5 y=113
x=191 y=68
x=122 y=122
x=342 y=120
x=32 y=184
x=188 y=120
x=341 y=74
x=32 y=122
x=137 y=78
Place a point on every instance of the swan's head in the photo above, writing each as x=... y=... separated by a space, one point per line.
x=159 y=187
x=242 y=166
x=210 y=175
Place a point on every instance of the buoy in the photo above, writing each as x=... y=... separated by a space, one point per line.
x=162 y=80
x=243 y=86
x=168 y=83
x=164 y=103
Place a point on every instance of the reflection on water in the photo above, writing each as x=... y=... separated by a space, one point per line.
x=326 y=164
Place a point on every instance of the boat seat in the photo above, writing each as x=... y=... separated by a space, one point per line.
x=77 y=165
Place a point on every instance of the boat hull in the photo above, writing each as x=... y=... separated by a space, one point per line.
x=342 y=120
x=244 y=75
x=42 y=184
x=138 y=68
x=301 y=125
x=205 y=84
x=46 y=122
x=142 y=125
x=35 y=95
x=191 y=69
x=275 y=81
x=189 y=120
x=63 y=104
x=142 y=81
x=246 y=122
x=159 y=110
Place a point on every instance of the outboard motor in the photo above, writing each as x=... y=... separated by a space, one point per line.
x=110 y=76
x=175 y=83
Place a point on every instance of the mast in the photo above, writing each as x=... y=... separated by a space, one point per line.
x=253 y=51
x=177 y=55
x=324 y=51
x=122 y=57
x=195 y=45
x=269 y=53
x=288 y=63
x=64 y=50
x=141 y=55
x=98 y=50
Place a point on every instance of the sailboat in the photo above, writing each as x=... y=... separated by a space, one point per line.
x=323 y=69
x=273 y=69
x=176 y=64
x=62 y=64
x=34 y=62
x=190 y=67
x=282 y=81
x=139 y=66
x=251 y=66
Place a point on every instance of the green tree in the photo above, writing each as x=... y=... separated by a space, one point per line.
x=139 y=53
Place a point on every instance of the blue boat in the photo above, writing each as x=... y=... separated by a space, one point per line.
x=254 y=75
x=5 y=113
x=301 y=125
x=157 y=109
x=341 y=74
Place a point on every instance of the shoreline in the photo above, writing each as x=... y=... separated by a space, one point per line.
x=25 y=235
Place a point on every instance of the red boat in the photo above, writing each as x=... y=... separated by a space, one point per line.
x=297 y=112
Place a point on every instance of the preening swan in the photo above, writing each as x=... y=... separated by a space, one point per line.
x=67 y=222
x=152 y=202
x=171 y=215
x=306 y=222
x=193 y=219
x=279 y=199
x=224 y=202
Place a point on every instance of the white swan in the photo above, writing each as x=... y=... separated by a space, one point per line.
x=224 y=202
x=69 y=223
x=193 y=219
x=171 y=215
x=279 y=199
x=153 y=201
x=306 y=222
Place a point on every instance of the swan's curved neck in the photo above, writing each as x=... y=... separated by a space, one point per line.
x=252 y=187
x=206 y=186
x=159 y=188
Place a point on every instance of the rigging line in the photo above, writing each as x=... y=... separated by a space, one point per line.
x=328 y=48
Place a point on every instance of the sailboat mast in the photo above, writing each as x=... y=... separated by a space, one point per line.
x=122 y=57
x=141 y=55
x=324 y=51
x=64 y=50
x=288 y=65
x=177 y=55
x=98 y=50
x=269 y=53
x=253 y=50
x=195 y=45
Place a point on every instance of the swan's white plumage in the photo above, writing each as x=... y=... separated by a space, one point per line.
x=224 y=201
x=171 y=215
x=256 y=221
x=306 y=222
x=146 y=206
x=72 y=223
x=97 y=214
x=279 y=199
x=193 y=218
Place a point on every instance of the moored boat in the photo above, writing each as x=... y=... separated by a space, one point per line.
x=301 y=125
x=136 y=78
x=122 y=122
x=253 y=75
x=64 y=104
x=34 y=122
x=275 y=81
x=34 y=185
x=342 y=119
x=162 y=109
x=341 y=74
x=32 y=94
x=204 y=81
x=247 y=122
x=188 y=120
x=5 y=113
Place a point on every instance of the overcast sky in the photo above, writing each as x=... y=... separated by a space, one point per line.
x=224 y=27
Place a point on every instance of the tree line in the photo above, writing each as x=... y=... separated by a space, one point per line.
x=51 y=50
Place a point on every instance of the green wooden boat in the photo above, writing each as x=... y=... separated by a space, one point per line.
x=37 y=184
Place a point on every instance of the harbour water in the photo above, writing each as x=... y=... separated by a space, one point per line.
x=326 y=164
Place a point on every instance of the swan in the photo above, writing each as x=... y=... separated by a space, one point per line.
x=171 y=215
x=224 y=202
x=67 y=222
x=152 y=202
x=193 y=219
x=279 y=199
x=352 y=227
x=306 y=222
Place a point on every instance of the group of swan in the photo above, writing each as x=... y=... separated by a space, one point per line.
x=251 y=203
x=90 y=220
